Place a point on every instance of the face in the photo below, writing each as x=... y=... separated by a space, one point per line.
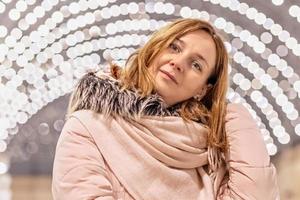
x=181 y=71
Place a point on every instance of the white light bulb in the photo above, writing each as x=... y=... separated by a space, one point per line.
x=14 y=14
x=297 y=129
x=277 y=2
x=185 y=12
x=74 y=8
x=2 y=7
x=39 y=11
x=272 y=149
x=3 y=31
x=21 y=6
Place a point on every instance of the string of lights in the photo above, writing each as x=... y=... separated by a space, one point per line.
x=46 y=46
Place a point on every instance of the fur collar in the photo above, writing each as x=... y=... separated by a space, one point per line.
x=102 y=94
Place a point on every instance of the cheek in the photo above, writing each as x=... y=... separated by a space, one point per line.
x=193 y=84
x=154 y=67
x=160 y=60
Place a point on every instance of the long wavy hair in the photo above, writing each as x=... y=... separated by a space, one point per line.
x=211 y=109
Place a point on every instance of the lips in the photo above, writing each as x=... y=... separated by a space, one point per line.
x=169 y=75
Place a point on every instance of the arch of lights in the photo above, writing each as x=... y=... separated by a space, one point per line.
x=48 y=45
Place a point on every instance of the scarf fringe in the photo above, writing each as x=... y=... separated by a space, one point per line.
x=217 y=167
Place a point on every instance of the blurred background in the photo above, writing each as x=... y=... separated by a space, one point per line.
x=47 y=45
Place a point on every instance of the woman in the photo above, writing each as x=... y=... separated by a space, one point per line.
x=161 y=128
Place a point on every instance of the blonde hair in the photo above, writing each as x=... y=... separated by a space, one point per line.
x=211 y=110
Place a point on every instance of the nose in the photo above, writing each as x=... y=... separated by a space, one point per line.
x=178 y=63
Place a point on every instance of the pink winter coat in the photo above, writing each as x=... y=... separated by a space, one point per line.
x=81 y=172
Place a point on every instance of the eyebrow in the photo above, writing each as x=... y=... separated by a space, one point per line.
x=198 y=55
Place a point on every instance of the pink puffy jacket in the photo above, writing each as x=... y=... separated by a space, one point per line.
x=80 y=171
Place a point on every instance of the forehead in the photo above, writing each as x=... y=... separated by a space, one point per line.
x=201 y=42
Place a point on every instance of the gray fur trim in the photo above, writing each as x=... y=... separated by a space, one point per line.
x=103 y=95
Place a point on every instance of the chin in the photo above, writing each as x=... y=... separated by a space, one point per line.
x=166 y=91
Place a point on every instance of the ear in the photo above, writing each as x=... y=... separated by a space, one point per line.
x=205 y=89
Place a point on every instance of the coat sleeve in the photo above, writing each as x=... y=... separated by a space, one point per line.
x=251 y=174
x=79 y=169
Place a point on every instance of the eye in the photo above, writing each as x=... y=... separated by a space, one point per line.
x=197 y=65
x=174 y=47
